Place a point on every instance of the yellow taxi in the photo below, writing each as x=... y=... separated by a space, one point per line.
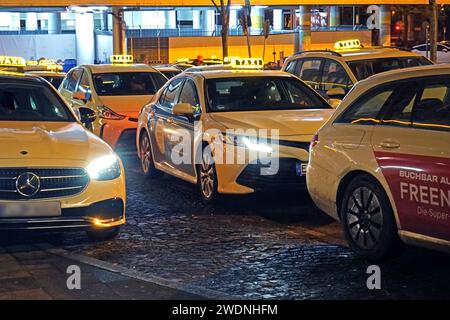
x=231 y=132
x=333 y=72
x=116 y=92
x=12 y=64
x=381 y=164
x=232 y=63
x=54 y=173
x=47 y=69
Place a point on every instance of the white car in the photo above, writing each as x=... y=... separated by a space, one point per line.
x=381 y=163
x=443 y=51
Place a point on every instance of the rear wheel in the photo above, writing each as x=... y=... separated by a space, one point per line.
x=207 y=177
x=368 y=220
x=146 y=157
x=103 y=234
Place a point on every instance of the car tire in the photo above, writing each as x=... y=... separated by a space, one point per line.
x=207 y=177
x=96 y=234
x=369 y=225
x=146 y=158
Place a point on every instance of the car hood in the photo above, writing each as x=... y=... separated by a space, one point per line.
x=126 y=105
x=288 y=122
x=49 y=140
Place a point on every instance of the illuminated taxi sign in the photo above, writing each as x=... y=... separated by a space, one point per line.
x=6 y=61
x=155 y=62
x=32 y=63
x=122 y=59
x=245 y=63
x=348 y=44
x=183 y=60
x=47 y=62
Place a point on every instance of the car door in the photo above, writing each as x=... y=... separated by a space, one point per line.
x=411 y=145
x=181 y=130
x=161 y=122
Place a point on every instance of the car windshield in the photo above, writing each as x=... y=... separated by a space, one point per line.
x=260 y=93
x=31 y=102
x=363 y=69
x=128 y=83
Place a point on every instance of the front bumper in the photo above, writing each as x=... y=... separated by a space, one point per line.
x=103 y=214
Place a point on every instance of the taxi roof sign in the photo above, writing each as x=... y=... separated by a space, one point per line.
x=122 y=59
x=348 y=44
x=6 y=61
x=47 y=62
x=245 y=63
x=155 y=62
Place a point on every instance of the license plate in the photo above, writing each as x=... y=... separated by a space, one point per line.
x=300 y=169
x=30 y=209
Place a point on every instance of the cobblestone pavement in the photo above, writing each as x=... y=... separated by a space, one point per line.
x=259 y=246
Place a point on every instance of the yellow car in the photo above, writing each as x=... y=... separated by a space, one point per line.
x=54 y=173
x=381 y=164
x=116 y=92
x=231 y=132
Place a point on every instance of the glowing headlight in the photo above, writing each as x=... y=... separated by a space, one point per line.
x=104 y=168
x=251 y=143
x=106 y=113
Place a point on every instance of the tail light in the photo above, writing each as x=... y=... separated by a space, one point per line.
x=314 y=141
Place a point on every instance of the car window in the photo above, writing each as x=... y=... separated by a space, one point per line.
x=291 y=66
x=363 y=69
x=432 y=111
x=31 y=102
x=171 y=93
x=421 y=48
x=365 y=110
x=335 y=76
x=399 y=110
x=260 y=93
x=73 y=80
x=310 y=71
x=128 y=83
x=84 y=85
x=189 y=95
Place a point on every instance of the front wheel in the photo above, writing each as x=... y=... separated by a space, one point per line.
x=103 y=234
x=146 y=157
x=368 y=220
x=207 y=177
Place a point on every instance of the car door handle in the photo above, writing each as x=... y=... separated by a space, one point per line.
x=169 y=120
x=390 y=144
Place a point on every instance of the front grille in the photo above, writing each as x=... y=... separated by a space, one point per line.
x=286 y=177
x=54 y=183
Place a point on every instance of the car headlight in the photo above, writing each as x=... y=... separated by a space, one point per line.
x=251 y=143
x=106 y=113
x=104 y=168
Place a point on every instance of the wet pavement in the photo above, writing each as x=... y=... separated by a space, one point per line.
x=259 y=246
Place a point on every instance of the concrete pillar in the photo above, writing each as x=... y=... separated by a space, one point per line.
x=257 y=16
x=385 y=25
x=334 y=19
x=208 y=21
x=118 y=31
x=54 y=23
x=304 y=31
x=196 y=17
x=105 y=21
x=278 y=20
x=170 y=19
x=31 y=21
x=85 y=42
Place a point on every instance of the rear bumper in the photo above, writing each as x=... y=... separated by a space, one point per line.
x=103 y=214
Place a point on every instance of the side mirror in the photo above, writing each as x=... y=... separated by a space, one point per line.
x=334 y=103
x=336 y=93
x=87 y=116
x=81 y=96
x=183 y=109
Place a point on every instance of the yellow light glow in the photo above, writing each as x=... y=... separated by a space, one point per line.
x=155 y=62
x=47 y=62
x=348 y=44
x=122 y=59
x=12 y=61
x=32 y=63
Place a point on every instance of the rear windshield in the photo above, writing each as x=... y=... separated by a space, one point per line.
x=31 y=102
x=54 y=80
x=261 y=93
x=128 y=83
x=363 y=69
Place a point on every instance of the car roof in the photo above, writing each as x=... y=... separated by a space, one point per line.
x=360 y=54
x=166 y=68
x=16 y=76
x=110 y=68
x=218 y=74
